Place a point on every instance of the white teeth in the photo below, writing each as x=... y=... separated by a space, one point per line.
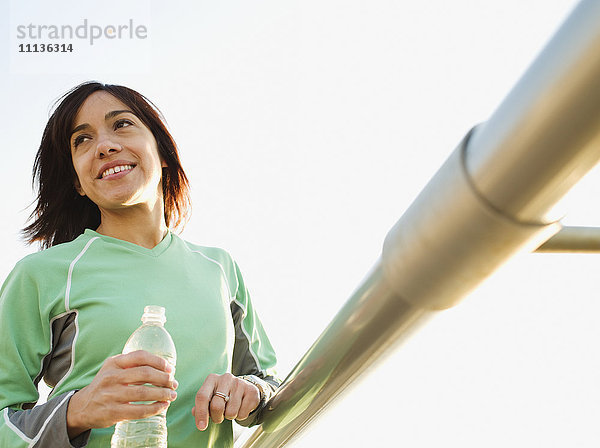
x=116 y=169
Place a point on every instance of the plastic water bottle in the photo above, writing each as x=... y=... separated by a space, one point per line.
x=152 y=336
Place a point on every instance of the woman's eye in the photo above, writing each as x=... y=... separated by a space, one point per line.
x=79 y=140
x=122 y=123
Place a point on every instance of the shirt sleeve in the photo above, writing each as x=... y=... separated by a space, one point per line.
x=253 y=353
x=25 y=340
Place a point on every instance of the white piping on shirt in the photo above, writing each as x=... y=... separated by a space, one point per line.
x=39 y=434
x=36 y=438
x=68 y=308
x=244 y=314
x=66 y=313
x=232 y=298
x=16 y=430
x=70 y=275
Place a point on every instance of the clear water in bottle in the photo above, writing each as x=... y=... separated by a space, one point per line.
x=152 y=336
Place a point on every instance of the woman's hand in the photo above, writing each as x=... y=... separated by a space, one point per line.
x=120 y=380
x=244 y=397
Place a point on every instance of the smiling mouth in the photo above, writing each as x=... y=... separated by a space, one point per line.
x=116 y=169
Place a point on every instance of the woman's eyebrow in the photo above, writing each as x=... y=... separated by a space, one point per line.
x=108 y=116
x=114 y=113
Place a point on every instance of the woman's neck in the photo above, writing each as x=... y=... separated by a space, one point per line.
x=145 y=228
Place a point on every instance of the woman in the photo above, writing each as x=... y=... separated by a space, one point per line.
x=110 y=186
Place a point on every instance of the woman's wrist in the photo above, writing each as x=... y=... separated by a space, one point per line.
x=75 y=425
x=258 y=384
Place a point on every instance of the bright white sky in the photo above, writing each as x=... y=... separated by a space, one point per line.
x=307 y=128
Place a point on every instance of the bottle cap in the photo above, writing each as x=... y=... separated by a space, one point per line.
x=154 y=313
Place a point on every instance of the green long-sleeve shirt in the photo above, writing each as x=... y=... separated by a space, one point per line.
x=66 y=309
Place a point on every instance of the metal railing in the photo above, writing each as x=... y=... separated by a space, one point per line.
x=573 y=240
x=489 y=201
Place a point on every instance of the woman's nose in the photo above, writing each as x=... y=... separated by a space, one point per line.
x=106 y=146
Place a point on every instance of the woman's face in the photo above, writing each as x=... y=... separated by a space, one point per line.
x=114 y=155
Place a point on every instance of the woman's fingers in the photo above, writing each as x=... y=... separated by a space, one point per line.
x=207 y=403
x=236 y=395
x=202 y=401
x=121 y=380
x=136 y=371
x=137 y=411
x=251 y=400
x=141 y=358
x=147 y=375
x=144 y=393
x=225 y=386
x=224 y=397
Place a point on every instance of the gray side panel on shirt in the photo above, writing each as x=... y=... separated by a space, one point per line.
x=57 y=362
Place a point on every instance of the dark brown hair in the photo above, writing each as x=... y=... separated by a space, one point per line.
x=61 y=214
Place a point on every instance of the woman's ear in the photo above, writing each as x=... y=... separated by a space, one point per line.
x=163 y=164
x=77 y=186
